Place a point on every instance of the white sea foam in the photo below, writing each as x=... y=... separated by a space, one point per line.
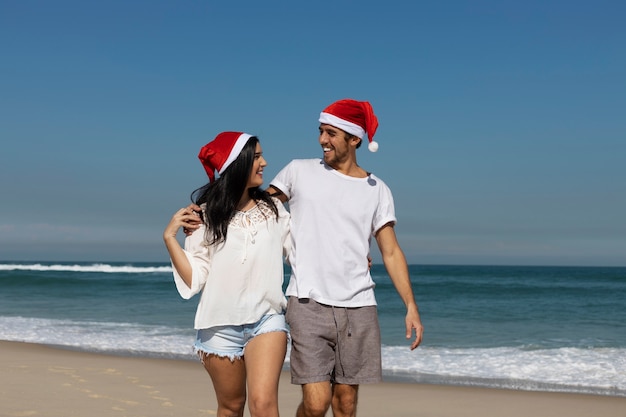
x=98 y=267
x=128 y=338
x=601 y=370
x=598 y=370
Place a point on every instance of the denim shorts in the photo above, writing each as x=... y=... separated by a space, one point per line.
x=231 y=341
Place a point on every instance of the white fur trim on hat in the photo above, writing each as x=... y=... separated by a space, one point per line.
x=234 y=153
x=346 y=126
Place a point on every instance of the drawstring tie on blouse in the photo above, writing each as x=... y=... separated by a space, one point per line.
x=251 y=231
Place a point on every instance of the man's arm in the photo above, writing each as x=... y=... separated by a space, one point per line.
x=275 y=192
x=398 y=271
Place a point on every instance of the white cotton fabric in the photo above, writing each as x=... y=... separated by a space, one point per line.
x=240 y=280
x=333 y=218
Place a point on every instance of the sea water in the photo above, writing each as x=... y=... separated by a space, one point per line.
x=529 y=328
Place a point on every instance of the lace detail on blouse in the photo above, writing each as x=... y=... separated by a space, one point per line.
x=248 y=221
x=256 y=215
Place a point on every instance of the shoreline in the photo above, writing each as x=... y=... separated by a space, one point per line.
x=389 y=376
x=58 y=382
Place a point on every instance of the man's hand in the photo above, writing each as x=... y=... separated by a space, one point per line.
x=413 y=322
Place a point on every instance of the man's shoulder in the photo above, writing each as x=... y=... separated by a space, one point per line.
x=308 y=162
x=303 y=164
x=376 y=178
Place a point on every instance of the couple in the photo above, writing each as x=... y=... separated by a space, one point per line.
x=237 y=236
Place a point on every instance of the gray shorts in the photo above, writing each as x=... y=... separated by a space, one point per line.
x=336 y=344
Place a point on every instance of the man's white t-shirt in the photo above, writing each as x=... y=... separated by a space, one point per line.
x=333 y=218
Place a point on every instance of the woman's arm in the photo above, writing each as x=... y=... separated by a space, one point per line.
x=187 y=219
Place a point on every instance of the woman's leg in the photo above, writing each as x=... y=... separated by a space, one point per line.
x=229 y=381
x=264 y=357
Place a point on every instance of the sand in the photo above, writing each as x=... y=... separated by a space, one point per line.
x=37 y=380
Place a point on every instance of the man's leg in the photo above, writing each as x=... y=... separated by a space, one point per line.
x=315 y=399
x=344 y=400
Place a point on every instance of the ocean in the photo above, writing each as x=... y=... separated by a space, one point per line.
x=559 y=329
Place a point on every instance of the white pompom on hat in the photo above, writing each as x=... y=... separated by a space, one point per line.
x=222 y=151
x=354 y=117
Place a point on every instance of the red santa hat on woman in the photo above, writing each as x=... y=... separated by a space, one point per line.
x=354 y=117
x=222 y=151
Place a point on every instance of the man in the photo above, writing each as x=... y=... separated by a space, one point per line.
x=336 y=207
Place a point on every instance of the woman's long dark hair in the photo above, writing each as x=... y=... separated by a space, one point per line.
x=222 y=196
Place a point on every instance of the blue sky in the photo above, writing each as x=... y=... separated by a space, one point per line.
x=502 y=123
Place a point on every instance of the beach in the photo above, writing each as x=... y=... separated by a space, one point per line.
x=39 y=380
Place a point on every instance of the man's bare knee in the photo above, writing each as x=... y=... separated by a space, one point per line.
x=344 y=400
x=316 y=399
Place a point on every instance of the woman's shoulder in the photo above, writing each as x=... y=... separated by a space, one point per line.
x=276 y=201
x=268 y=211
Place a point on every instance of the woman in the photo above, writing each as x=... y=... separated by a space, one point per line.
x=235 y=259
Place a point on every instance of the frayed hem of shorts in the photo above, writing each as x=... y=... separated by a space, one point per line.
x=203 y=354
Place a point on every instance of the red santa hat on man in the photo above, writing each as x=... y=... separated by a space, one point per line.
x=354 y=117
x=222 y=151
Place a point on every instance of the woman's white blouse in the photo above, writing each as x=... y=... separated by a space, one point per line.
x=241 y=279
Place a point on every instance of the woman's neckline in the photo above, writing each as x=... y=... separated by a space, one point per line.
x=251 y=204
